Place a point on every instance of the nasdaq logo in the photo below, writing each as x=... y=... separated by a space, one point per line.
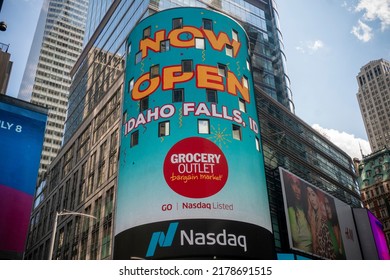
x=162 y=239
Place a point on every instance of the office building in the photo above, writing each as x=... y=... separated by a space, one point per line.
x=57 y=43
x=83 y=177
x=374 y=101
x=5 y=67
x=374 y=182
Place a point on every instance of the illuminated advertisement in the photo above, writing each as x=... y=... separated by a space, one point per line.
x=318 y=223
x=373 y=242
x=22 y=128
x=191 y=179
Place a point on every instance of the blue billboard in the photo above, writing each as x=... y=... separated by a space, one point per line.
x=22 y=127
x=191 y=179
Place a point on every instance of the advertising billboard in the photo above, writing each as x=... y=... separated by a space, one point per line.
x=372 y=238
x=22 y=127
x=318 y=223
x=191 y=179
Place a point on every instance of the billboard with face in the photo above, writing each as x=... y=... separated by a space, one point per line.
x=191 y=176
x=317 y=222
x=21 y=132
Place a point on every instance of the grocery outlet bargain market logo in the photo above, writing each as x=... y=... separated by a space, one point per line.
x=195 y=168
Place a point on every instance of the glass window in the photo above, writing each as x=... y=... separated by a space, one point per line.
x=164 y=46
x=138 y=57
x=207 y=24
x=134 y=138
x=163 y=129
x=203 y=126
x=147 y=32
x=245 y=81
x=177 y=23
x=178 y=95
x=242 y=105
x=131 y=85
x=236 y=132
x=199 y=43
x=186 y=65
x=235 y=35
x=144 y=104
x=154 y=71
x=211 y=96
x=229 y=50
x=129 y=48
x=257 y=142
x=222 y=70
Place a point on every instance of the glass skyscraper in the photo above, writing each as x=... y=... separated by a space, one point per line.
x=83 y=176
x=57 y=43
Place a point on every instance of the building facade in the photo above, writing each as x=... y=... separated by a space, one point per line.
x=57 y=43
x=83 y=176
x=374 y=102
x=5 y=67
x=374 y=181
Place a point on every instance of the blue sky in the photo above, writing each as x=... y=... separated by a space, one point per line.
x=326 y=43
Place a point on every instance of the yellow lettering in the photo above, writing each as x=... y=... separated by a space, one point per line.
x=173 y=75
x=233 y=85
x=176 y=41
x=207 y=77
x=219 y=42
x=153 y=84
x=152 y=44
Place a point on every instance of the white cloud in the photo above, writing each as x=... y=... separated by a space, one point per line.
x=362 y=31
x=347 y=142
x=310 y=46
x=375 y=10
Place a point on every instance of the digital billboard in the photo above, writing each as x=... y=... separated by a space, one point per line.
x=318 y=223
x=191 y=180
x=22 y=127
x=372 y=238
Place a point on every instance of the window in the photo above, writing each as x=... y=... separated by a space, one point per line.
x=199 y=43
x=131 y=85
x=211 y=96
x=146 y=32
x=154 y=71
x=138 y=57
x=124 y=117
x=207 y=24
x=236 y=132
x=186 y=65
x=144 y=104
x=245 y=81
x=129 y=48
x=134 y=139
x=178 y=95
x=229 y=50
x=203 y=126
x=235 y=35
x=163 y=129
x=257 y=142
x=222 y=70
x=242 y=105
x=164 y=46
x=177 y=23
x=248 y=65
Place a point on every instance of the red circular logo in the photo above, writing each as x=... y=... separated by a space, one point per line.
x=196 y=168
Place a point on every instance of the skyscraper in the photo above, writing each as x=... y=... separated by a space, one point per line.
x=83 y=177
x=57 y=43
x=374 y=101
